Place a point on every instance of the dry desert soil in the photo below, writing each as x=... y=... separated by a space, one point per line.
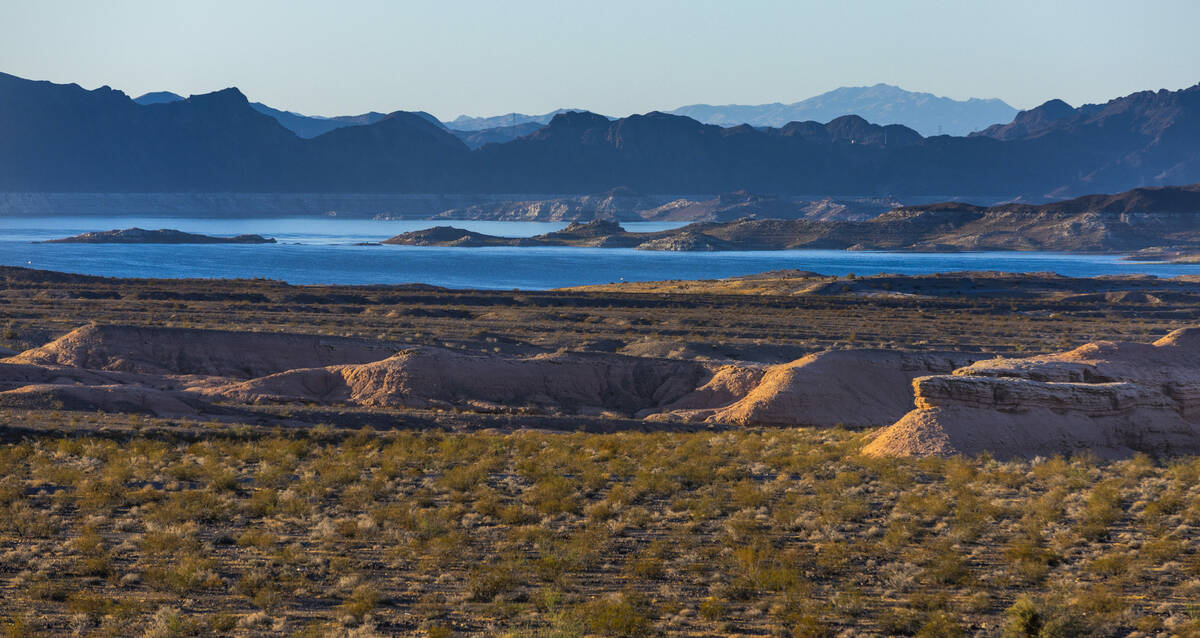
x=786 y=454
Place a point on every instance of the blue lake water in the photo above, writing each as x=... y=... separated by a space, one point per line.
x=320 y=250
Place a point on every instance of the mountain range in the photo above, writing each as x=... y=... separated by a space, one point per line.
x=925 y=113
x=309 y=126
x=62 y=138
x=305 y=126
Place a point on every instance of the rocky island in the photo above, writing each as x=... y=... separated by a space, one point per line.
x=159 y=236
x=1136 y=220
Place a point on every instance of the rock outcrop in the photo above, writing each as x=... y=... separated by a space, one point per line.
x=174 y=371
x=434 y=377
x=855 y=388
x=186 y=351
x=1111 y=399
x=136 y=399
x=620 y=204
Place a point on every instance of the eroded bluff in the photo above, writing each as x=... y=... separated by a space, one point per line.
x=168 y=371
x=1112 y=399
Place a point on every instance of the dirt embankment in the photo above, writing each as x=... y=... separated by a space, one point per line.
x=182 y=371
x=199 y=352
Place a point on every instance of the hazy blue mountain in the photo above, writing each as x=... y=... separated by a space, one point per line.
x=467 y=123
x=307 y=126
x=158 y=97
x=495 y=135
x=925 y=113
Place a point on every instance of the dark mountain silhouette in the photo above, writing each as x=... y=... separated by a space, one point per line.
x=158 y=97
x=308 y=126
x=1030 y=123
x=302 y=125
x=62 y=138
x=1143 y=139
x=881 y=103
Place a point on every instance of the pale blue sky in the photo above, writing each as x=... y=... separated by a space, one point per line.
x=615 y=57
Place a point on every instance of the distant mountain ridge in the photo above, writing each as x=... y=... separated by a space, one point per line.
x=305 y=126
x=62 y=138
x=880 y=104
x=468 y=123
x=158 y=97
x=925 y=113
x=309 y=126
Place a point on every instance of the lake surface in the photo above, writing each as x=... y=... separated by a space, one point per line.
x=320 y=250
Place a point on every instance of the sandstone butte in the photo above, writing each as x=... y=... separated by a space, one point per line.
x=1111 y=399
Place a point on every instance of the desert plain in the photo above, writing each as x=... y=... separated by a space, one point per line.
x=786 y=454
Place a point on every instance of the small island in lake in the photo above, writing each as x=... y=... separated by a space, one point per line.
x=159 y=236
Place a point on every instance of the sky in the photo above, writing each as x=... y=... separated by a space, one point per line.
x=617 y=57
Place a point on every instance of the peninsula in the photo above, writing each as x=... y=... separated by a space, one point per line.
x=1136 y=220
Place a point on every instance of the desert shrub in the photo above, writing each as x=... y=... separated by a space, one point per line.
x=810 y=626
x=100 y=566
x=1029 y=558
x=18 y=626
x=48 y=590
x=169 y=622
x=945 y=565
x=712 y=609
x=1102 y=508
x=939 y=624
x=901 y=621
x=261 y=587
x=174 y=541
x=26 y=521
x=256 y=537
x=619 y=615
x=1028 y=619
x=463 y=478
x=361 y=601
x=486 y=582
x=183 y=575
x=554 y=495
x=201 y=506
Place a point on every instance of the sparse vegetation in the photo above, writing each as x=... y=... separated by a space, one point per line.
x=787 y=532
x=302 y=521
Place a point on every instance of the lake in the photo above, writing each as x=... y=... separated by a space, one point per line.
x=320 y=251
